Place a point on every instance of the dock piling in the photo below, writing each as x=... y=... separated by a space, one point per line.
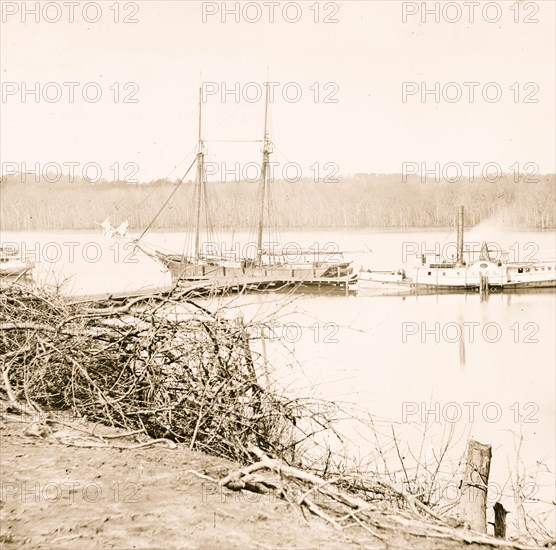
x=473 y=499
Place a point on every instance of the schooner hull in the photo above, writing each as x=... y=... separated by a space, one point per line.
x=183 y=270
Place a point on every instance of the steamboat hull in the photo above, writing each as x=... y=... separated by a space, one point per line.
x=530 y=284
x=494 y=285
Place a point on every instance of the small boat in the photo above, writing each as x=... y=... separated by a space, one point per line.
x=13 y=266
x=435 y=273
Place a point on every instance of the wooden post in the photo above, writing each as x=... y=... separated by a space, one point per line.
x=499 y=521
x=473 y=499
x=483 y=286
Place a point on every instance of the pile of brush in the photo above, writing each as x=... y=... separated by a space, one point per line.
x=158 y=363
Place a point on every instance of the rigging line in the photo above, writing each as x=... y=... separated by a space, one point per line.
x=272 y=225
x=281 y=152
x=142 y=201
x=154 y=188
x=208 y=217
x=178 y=126
x=189 y=223
x=233 y=141
x=241 y=105
x=253 y=216
x=194 y=148
x=210 y=212
x=168 y=199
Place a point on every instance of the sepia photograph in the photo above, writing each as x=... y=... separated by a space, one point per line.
x=277 y=274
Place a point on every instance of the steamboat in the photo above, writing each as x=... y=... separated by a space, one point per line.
x=435 y=273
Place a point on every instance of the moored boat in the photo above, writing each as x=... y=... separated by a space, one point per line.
x=13 y=266
x=267 y=266
x=280 y=266
x=436 y=273
x=522 y=275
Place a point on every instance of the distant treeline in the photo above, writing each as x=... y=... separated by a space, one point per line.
x=363 y=200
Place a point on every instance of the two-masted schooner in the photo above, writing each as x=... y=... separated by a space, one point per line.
x=266 y=267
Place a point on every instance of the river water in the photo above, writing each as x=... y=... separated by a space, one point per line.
x=421 y=365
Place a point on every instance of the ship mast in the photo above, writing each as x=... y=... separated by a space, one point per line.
x=460 y=237
x=199 y=184
x=267 y=149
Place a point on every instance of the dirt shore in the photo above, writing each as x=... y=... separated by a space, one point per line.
x=58 y=495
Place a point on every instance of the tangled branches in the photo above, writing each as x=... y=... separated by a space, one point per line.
x=175 y=371
x=349 y=503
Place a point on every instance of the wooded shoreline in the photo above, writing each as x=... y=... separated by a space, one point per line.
x=361 y=201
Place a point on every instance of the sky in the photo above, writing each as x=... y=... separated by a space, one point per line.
x=342 y=67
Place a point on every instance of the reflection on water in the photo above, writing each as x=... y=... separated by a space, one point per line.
x=485 y=367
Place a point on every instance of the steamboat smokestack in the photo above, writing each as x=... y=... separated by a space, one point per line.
x=460 y=236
